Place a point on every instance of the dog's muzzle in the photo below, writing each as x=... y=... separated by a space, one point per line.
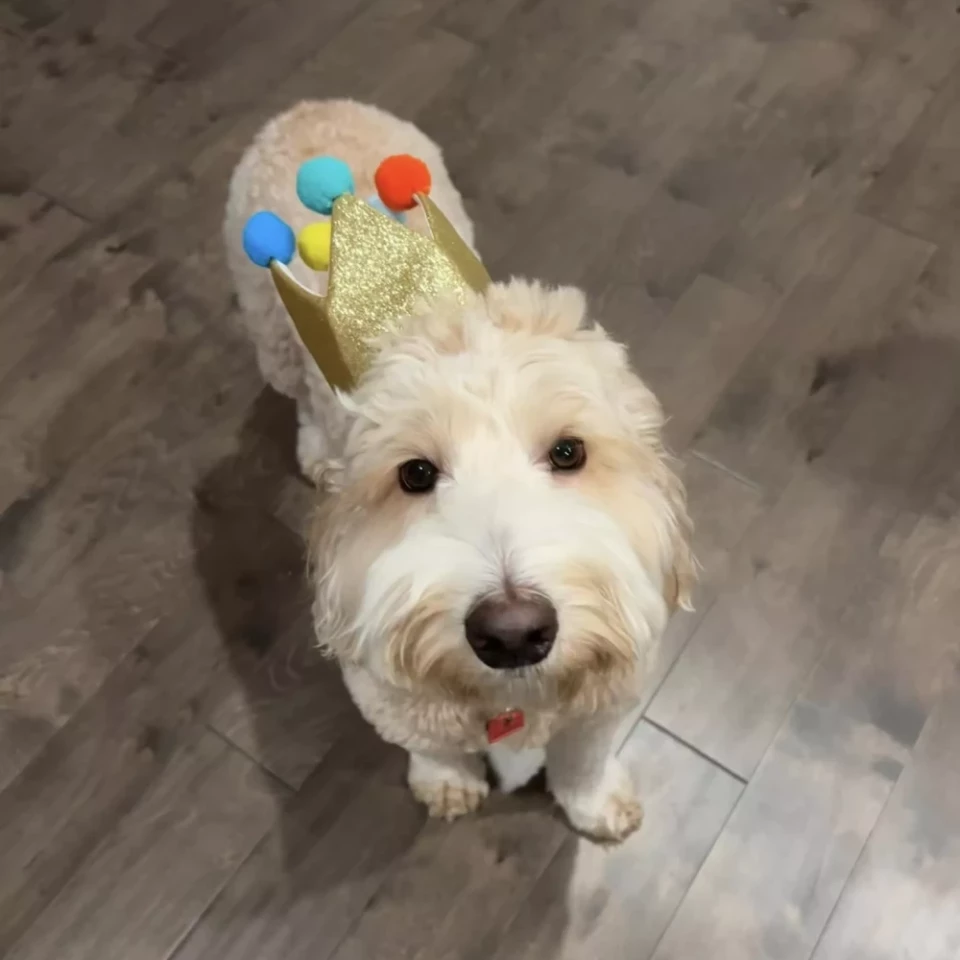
x=507 y=633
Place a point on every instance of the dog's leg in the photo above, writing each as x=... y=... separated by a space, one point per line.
x=590 y=783
x=311 y=444
x=449 y=784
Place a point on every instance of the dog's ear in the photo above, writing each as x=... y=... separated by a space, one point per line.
x=335 y=595
x=680 y=578
x=644 y=418
x=682 y=572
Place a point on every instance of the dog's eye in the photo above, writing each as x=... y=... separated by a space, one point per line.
x=418 y=476
x=568 y=453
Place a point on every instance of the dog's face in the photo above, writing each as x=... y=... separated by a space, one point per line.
x=503 y=514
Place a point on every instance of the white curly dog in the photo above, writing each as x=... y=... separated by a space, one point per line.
x=500 y=535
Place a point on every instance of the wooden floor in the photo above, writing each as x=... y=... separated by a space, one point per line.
x=763 y=199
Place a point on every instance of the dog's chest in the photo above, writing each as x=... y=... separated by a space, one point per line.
x=422 y=723
x=476 y=729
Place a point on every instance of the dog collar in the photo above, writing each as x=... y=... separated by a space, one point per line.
x=503 y=724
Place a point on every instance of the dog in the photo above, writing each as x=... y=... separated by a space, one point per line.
x=500 y=534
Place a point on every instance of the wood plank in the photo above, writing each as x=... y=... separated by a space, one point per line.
x=658 y=255
x=791 y=396
x=588 y=150
x=72 y=609
x=170 y=125
x=561 y=243
x=575 y=91
x=104 y=499
x=86 y=21
x=428 y=906
x=57 y=656
x=920 y=182
x=216 y=531
x=773 y=881
x=807 y=561
x=177 y=28
x=74 y=442
x=593 y=901
x=810 y=146
x=251 y=598
x=467 y=20
x=723 y=508
x=63 y=93
x=913 y=30
x=73 y=311
x=415 y=60
x=32 y=230
x=162 y=862
x=110 y=328
x=658 y=83
x=305 y=886
x=924 y=42
x=483 y=117
x=768 y=886
x=463 y=117
x=286 y=708
x=288 y=711
x=98 y=763
x=902 y=898
x=932 y=304
x=106 y=327
x=181 y=209
x=692 y=97
x=149 y=128
x=814 y=120
x=689 y=359
x=63 y=803
x=899 y=653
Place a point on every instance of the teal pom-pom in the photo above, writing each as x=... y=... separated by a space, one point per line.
x=266 y=237
x=379 y=205
x=320 y=181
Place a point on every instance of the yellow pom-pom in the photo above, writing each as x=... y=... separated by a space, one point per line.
x=313 y=244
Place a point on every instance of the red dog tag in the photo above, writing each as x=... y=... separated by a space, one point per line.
x=503 y=724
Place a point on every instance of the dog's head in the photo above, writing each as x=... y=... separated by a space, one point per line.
x=504 y=512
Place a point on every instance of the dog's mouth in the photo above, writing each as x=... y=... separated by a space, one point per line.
x=498 y=657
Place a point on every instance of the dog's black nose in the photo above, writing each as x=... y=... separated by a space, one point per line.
x=511 y=632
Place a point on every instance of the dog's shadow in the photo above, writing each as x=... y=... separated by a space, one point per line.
x=280 y=702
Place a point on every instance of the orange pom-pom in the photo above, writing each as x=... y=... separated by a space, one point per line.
x=399 y=178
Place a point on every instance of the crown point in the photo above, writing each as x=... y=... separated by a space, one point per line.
x=266 y=237
x=320 y=181
x=399 y=179
x=313 y=243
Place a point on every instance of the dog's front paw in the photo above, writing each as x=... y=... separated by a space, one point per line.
x=448 y=790
x=311 y=453
x=607 y=811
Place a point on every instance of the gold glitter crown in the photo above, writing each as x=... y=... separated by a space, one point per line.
x=378 y=268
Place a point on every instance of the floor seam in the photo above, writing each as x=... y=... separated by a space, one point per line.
x=700 y=753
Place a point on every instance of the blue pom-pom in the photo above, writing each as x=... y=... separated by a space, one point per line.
x=266 y=237
x=378 y=204
x=320 y=181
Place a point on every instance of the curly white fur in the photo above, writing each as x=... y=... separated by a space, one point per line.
x=483 y=391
